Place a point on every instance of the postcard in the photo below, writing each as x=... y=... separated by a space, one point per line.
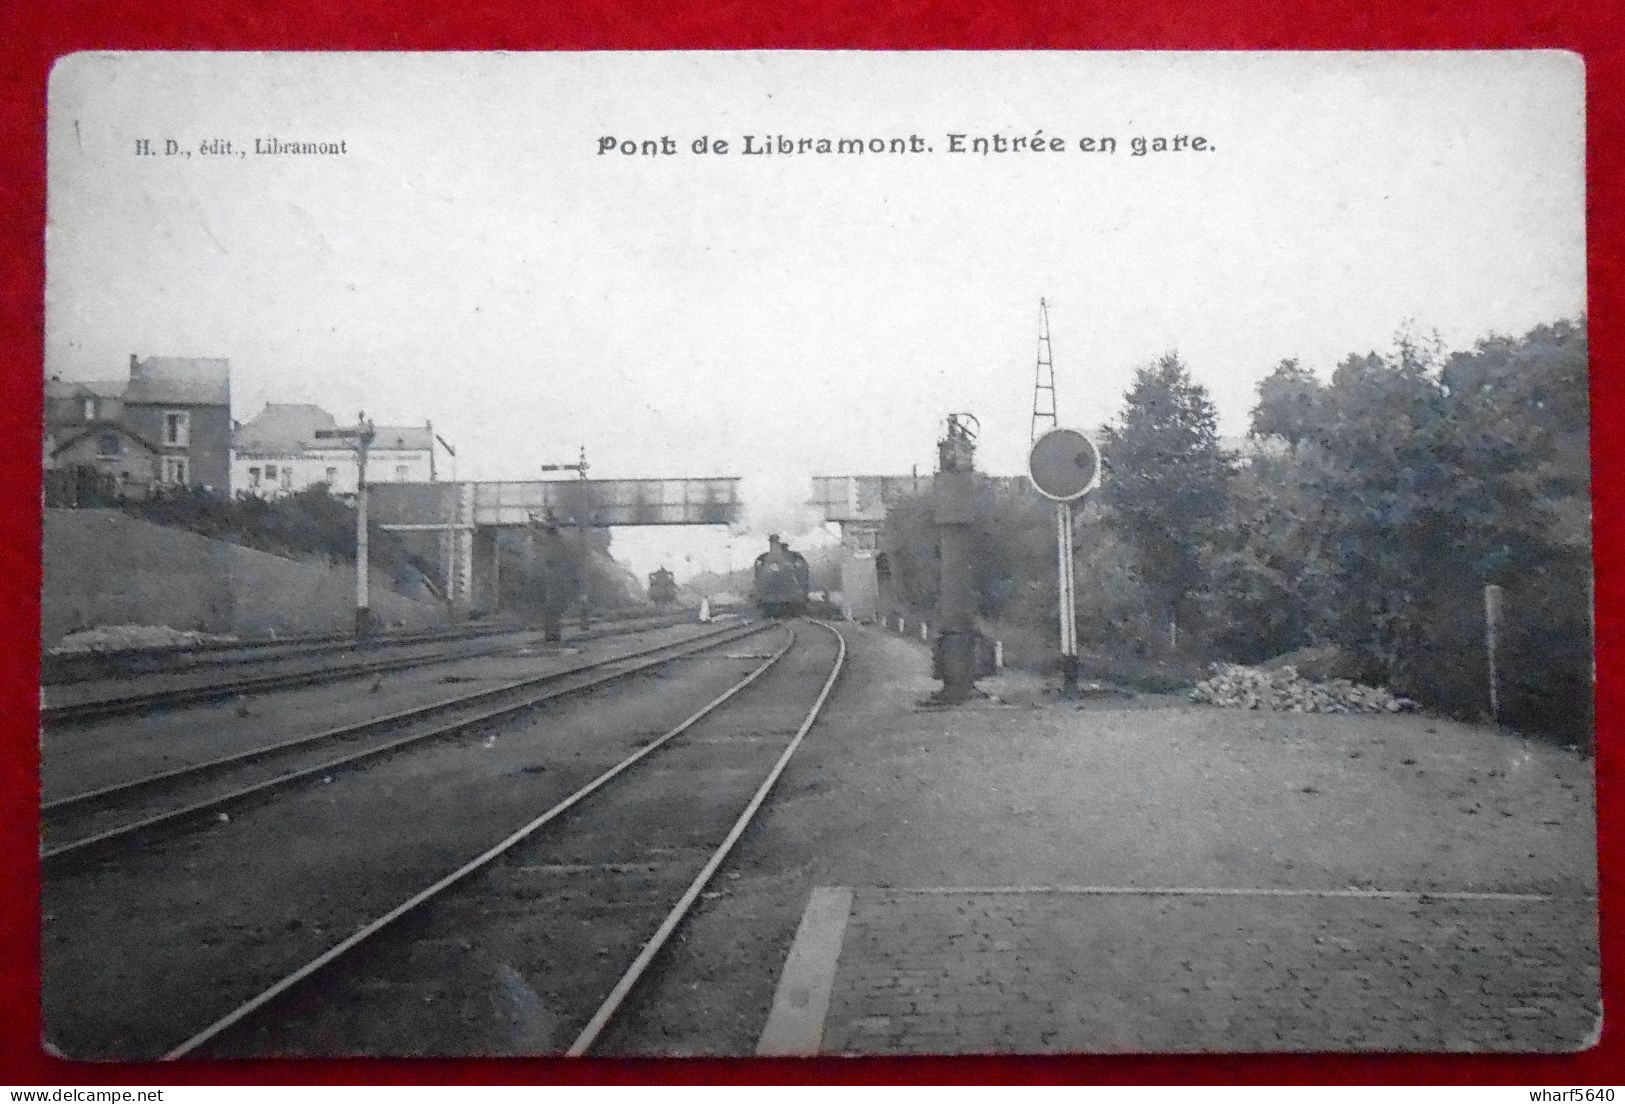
x=790 y=553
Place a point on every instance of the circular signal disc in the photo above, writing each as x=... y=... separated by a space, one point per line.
x=1064 y=465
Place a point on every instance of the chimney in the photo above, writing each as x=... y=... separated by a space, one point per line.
x=135 y=362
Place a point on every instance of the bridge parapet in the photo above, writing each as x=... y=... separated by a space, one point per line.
x=599 y=503
x=456 y=523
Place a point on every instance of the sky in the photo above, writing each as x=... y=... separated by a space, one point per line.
x=474 y=260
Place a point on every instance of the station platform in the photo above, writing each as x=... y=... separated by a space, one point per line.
x=1000 y=970
x=1134 y=874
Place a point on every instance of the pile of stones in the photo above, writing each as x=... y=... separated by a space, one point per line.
x=1283 y=690
x=121 y=638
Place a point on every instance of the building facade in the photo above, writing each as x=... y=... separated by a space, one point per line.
x=130 y=465
x=180 y=406
x=279 y=452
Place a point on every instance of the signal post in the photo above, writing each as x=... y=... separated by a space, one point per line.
x=360 y=437
x=544 y=560
x=581 y=574
x=1064 y=466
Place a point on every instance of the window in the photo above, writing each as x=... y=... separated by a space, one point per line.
x=253 y=477
x=175 y=470
x=270 y=471
x=400 y=473
x=332 y=476
x=287 y=477
x=107 y=445
x=90 y=410
x=177 y=428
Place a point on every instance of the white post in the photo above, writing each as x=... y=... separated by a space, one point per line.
x=496 y=572
x=925 y=631
x=362 y=613
x=1492 y=640
x=998 y=655
x=1065 y=596
x=451 y=549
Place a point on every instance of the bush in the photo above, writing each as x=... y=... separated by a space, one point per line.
x=1372 y=524
x=300 y=525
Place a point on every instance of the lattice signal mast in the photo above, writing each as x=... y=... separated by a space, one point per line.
x=1043 y=380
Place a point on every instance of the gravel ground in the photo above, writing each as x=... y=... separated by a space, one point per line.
x=64 y=825
x=1021 y=790
x=145 y=947
x=1117 y=791
x=203 y=673
x=84 y=757
x=516 y=961
x=273 y=666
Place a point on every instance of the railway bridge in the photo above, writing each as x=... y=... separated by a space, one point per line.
x=456 y=524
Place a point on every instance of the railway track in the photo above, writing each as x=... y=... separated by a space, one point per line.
x=71 y=667
x=748 y=746
x=85 y=825
x=61 y=713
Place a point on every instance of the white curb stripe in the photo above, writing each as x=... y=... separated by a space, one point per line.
x=795 y=1026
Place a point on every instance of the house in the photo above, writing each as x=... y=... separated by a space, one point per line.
x=184 y=404
x=180 y=405
x=278 y=452
x=78 y=402
x=128 y=463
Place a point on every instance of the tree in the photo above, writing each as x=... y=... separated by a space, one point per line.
x=1388 y=466
x=1287 y=403
x=1422 y=478
x=1167 y=480
x=1522 y=405
x=1271 y=586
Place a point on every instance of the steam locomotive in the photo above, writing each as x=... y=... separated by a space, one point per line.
x=662 y=587
x=781 y=580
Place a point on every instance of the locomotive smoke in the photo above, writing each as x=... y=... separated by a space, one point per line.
x=776 y=502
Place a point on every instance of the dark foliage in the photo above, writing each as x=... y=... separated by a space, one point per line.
x=1371 y=514
x=300 y=525
x=1167 y=484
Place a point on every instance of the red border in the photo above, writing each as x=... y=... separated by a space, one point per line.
x=35 y=34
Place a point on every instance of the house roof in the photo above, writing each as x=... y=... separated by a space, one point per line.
x=189 y=381
x=57 y=388
x=97 y=428
x=412 y=438
x=284 y=428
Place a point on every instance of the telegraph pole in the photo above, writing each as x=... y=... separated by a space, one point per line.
x=360 y=437
x=1044 y=408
